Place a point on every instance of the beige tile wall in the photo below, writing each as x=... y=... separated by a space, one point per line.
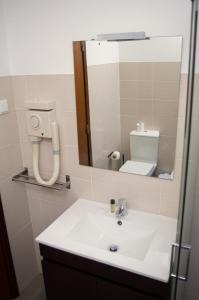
x=14 y=196
x=150 y=93
x=143 y=193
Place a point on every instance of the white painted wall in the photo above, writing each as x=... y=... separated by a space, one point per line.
x=40 y=33
x=4 y=63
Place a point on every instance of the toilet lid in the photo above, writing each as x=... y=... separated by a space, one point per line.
x=138 y=167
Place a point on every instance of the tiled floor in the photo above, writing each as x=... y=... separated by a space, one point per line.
x=35 y=291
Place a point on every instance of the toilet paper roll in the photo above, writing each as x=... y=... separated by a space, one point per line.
x=115 y=155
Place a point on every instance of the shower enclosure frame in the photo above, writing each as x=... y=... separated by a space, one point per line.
x=179 y=247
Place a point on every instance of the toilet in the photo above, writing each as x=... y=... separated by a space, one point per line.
x=143 y=153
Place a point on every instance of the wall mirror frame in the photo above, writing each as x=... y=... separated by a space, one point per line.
x=127 y=99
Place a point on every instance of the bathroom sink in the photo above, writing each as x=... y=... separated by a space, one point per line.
x=141 y=244
x=130 y=239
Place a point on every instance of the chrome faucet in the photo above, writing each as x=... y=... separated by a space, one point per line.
x=121 y=210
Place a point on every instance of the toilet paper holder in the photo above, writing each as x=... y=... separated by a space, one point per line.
x=114 y=155
x=109 y=155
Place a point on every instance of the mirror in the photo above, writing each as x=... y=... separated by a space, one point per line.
x=127 y=95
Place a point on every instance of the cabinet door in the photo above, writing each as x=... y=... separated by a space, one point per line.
x=63 y=283
x=109 y=291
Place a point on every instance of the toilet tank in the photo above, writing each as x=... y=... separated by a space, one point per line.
x=144 y=145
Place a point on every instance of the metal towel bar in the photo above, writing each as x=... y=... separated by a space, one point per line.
x=25 y=178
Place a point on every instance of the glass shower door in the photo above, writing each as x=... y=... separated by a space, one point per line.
x=183 y=250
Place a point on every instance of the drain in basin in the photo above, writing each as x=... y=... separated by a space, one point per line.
x=113 y=248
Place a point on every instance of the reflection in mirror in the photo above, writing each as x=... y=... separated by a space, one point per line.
x=127 y=96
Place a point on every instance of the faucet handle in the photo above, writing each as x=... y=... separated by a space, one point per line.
x=122 y=201
x=123 y=205
x=122 y=209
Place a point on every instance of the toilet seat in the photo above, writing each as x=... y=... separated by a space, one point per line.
x=138 y=167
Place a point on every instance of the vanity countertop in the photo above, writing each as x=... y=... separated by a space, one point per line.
x=88 y=229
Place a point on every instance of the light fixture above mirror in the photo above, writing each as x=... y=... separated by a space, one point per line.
x=124 y=36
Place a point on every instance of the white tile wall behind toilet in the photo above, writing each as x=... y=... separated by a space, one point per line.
x=14 y=196
x=104 y=101
x=40 y=35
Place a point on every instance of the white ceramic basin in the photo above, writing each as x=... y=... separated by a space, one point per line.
x=88 y=229
x=101 y=232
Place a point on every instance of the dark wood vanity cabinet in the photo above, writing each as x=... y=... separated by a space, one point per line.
x=71 y=277
x=62 y=282
x=108 y=290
